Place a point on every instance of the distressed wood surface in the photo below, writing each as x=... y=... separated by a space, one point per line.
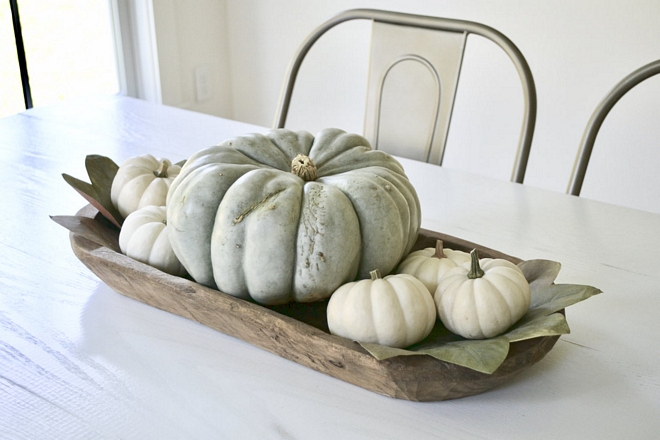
x=298 y=332
x=80 y=361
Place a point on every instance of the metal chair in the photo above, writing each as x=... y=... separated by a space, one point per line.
x=597 y=118
x=432 y=48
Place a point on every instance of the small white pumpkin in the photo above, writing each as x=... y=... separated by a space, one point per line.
x=396 y=311
x=482 y=299
x=430 y=264
x=142 y=181
x=144 y=237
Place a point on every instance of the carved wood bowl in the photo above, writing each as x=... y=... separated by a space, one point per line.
x=299 y=332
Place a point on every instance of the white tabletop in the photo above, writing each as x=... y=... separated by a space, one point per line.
x=78 y=360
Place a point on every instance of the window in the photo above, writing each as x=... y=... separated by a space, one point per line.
x=69 y=47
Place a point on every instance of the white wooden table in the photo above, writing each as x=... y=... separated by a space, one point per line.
x=78 y=360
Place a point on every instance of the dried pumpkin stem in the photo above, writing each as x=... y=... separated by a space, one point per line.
x=439 y=252
x=303 y=167
x=475 y=270
x=162 y=169
x=375 y=275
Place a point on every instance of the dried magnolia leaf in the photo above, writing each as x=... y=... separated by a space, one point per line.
x=484 y=355
x=381 y=352
x=95 y=230
x=540 y=273
x=80 y=186
x=89 y=193
x=556 y=297
x=551 y=325
x=480 y=355
x=101 y=171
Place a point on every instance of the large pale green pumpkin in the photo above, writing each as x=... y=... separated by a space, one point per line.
x=242 y=221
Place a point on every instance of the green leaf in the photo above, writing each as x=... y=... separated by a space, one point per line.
x=555 y=297
x=101 y=171
x=551 y=325
x=89 y=193
x=96 y=230
x=481 y=355
x=539 y=273
x=381 y=352
x=181 y=163
x=80 y=186
x=484 y=355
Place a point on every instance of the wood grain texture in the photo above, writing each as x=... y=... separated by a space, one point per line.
x=78 y=360
x=298 y=332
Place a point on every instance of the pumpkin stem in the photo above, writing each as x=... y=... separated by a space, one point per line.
x=475 y=269
x=439 y=253
x=303 y=167
x=162 y=169
x=375 y=275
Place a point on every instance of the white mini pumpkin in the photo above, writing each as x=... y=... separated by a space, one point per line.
x=142 y=181
x=430 y=264
x=396 y=311
x=482 y=299
x=144 y=237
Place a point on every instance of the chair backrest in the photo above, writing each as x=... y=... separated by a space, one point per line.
x=426 y=51
x=597 y=118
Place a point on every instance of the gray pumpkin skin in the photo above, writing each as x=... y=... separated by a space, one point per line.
x=242 y=222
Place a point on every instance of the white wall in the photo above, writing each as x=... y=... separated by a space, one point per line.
x=191 y=35
x=577 y=50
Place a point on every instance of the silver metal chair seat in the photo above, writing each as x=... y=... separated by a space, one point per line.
x=421 y=55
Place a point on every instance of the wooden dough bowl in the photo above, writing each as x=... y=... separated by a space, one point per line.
x=299 y=332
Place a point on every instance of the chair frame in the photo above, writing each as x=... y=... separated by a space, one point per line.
x=434 y=23
x=596 y=121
